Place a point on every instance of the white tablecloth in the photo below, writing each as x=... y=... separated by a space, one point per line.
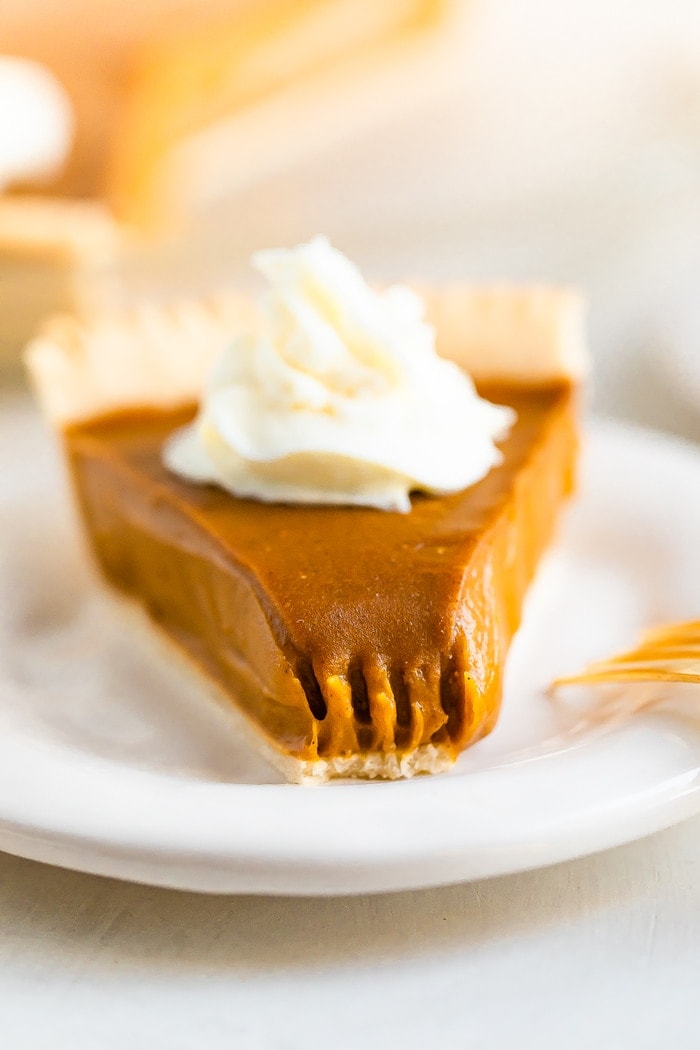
x=599 y=952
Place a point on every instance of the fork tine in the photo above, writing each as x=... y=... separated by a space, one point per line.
x=618 y=673
x=673 y=634
x=669 y=653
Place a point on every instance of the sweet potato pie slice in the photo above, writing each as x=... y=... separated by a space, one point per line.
x=354 y=642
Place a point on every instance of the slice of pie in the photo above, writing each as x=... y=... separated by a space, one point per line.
x=353 y=642
x=185 y=101
x=180 y=108
x=213 y=104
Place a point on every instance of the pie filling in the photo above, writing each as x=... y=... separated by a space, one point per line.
x=338 y=631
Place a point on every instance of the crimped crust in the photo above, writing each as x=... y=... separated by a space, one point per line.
x=528 y=336
x=158 y=356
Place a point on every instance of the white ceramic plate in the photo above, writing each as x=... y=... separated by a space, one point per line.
x=112 y=761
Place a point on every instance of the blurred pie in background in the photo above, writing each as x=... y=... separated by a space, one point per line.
x=177 y=105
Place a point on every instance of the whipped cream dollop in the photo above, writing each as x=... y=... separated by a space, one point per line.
x=338 y=397
x=36 y=121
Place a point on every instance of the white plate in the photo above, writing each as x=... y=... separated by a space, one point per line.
x=112 y=761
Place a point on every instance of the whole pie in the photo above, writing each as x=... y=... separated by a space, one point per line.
x=353 y=642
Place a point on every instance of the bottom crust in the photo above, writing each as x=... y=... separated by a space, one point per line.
x=429 y=758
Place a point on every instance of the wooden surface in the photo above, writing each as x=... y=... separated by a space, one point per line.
x=599 y=952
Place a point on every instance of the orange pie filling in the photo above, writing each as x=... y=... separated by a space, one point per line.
x=342 y=633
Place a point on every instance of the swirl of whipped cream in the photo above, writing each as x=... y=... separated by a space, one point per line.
x=339 y=397
x=36 y=121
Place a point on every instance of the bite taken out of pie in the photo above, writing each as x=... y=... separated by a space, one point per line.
x=353 y=641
